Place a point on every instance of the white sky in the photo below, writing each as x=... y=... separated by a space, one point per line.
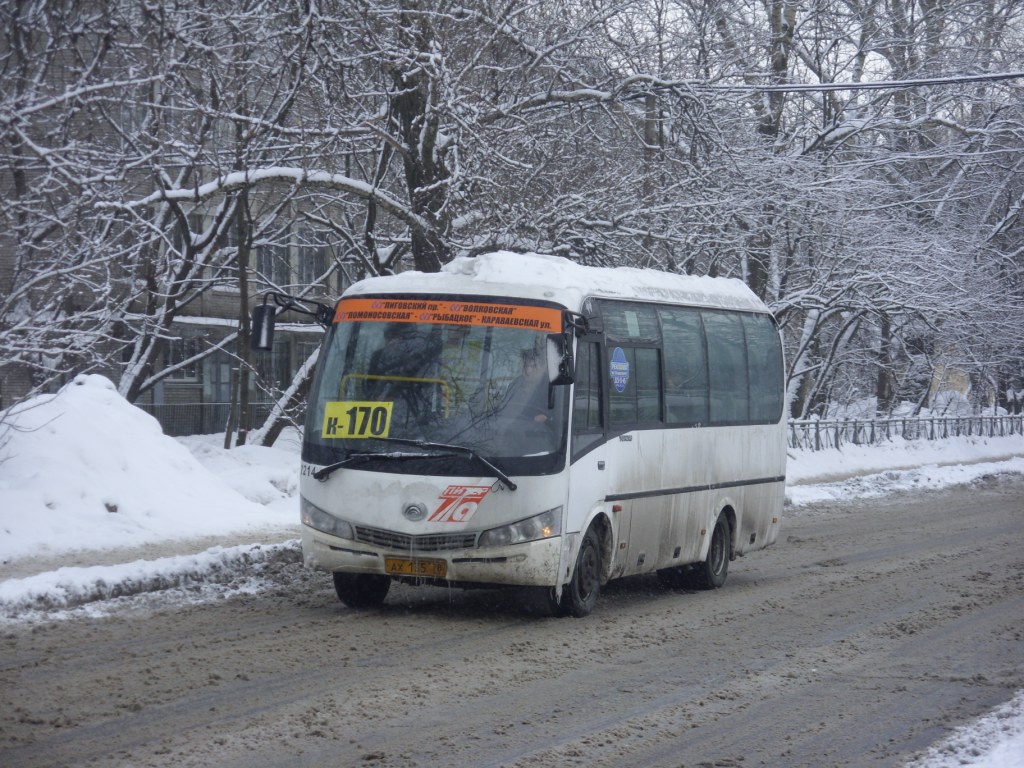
x=86 y=471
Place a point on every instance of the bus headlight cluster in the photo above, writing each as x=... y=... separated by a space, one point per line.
x=316 y=518
x=542 y=526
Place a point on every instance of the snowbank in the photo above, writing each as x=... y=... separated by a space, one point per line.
x=993 y=741
x=84 y=469
x=864 y=471
x=838 y=463
x=218 y=571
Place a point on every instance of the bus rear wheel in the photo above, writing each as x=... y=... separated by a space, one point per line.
x=580 y=595
x=711 y=573
x=361 y=590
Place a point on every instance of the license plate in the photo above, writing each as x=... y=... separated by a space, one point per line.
x=397 y=566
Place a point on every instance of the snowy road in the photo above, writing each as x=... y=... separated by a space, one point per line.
x=870 y=630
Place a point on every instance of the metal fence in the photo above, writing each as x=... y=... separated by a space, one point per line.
x=817 y=435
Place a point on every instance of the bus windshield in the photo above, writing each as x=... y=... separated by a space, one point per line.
x=401 y=379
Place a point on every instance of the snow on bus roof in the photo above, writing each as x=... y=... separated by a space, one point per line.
x=540 y=276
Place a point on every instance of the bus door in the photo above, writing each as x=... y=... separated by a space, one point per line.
x=617 y=465
x=635 y=455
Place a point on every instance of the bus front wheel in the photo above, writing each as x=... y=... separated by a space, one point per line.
x=579 y=596
x=361 y=590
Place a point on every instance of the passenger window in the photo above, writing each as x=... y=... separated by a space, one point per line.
x=635 y=388
x=686 y=370
x=764 y=356
x=727 y=368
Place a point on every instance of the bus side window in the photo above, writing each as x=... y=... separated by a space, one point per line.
x=635 y=397
x=587 y=423
x=764 y=356
x=686 y=368
x=727 y=368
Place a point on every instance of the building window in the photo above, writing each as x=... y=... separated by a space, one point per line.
x=181 y=354
x=272 y=264
x=312 y=261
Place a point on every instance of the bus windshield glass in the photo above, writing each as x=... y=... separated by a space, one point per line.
x=401 y=378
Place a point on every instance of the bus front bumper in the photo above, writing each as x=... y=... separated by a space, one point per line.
x=533 y=563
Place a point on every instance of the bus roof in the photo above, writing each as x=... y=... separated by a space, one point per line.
x=553 y=278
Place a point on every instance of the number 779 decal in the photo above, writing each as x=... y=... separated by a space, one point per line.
x=356 y=419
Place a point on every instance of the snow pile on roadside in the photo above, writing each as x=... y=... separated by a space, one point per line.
x=993 y=741
x=836 y=464
x=867 y=471
x=86 y=470
x=267 y=476
x=52 y=595
x=933 y=477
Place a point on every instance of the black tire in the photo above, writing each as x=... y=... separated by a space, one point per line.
x=361 y=590
x=711 y=573
x=579 y=596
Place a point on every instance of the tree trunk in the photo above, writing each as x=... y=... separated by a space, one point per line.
x=426 y=177
x=884 y=388
x=244 y=231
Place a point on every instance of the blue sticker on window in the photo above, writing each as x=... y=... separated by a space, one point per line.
x=619 y=369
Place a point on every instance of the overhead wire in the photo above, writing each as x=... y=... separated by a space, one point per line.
x=874 y=85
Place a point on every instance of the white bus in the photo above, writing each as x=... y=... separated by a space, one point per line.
x=523 y=420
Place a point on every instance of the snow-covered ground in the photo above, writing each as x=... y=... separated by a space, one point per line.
x=85 y=472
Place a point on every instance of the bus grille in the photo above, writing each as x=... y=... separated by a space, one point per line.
x=433 y=542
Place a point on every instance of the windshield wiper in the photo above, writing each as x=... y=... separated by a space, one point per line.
x=358 y=458
x=456 y=450
x=427 y=445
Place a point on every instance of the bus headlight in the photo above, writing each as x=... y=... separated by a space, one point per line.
x=542 y=526
x=316 y=518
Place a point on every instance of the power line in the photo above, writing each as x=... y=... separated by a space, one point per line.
x=877 y=85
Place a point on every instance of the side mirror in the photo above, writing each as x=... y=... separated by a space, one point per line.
x=261 y=332
x=561 y=367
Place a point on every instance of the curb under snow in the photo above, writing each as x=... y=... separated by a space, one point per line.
x=232 y=568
